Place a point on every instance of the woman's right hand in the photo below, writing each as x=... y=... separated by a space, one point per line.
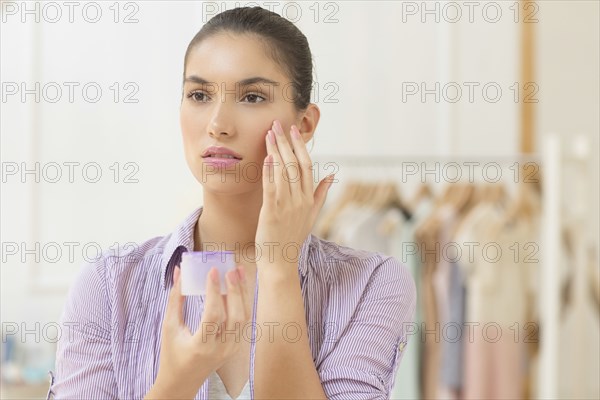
x=186 y=360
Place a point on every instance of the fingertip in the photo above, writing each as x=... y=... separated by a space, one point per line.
x=241 y=270
x=268 y=160
x=213 y=279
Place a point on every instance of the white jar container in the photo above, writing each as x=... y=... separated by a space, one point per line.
x=195 y=266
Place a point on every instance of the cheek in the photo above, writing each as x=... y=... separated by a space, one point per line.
x=261 y=150
x=254 y=132
x=262 y=141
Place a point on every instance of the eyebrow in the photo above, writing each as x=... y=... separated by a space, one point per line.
x=244 y=82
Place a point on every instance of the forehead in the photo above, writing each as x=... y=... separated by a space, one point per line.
x=232 y=57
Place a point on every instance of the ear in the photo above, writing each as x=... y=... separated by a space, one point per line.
x=308 y=121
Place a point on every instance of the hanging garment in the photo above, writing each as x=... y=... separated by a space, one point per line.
x=427 y=239
x=406 y=250
x=361 y=227
x=498 y=282
x=453 y=346
x=351 y=215
x=447 y=217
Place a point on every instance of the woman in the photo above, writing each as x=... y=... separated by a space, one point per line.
x=327 y=322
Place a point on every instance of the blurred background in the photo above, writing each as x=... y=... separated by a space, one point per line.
x=464 y=137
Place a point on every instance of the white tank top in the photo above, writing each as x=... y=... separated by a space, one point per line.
x=217 y=390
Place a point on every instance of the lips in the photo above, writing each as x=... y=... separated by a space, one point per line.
x=220 y=162
x=221 y=156
x=220 y=152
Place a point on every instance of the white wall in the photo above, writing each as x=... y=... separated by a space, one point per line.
x=567 y=61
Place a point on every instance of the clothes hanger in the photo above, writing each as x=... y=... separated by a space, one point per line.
x=390 y=199
x=364 y=193
x=490 y=193
x=523 y=207
x=382 y=196
x=395 y=200
x=431 y=221
x=349 y=195
x=526 y=203
x=448 y=195
x=464 y=197
x=500 y=194
x=423 y=192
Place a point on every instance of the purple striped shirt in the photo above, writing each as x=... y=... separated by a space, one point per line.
x=357 y=303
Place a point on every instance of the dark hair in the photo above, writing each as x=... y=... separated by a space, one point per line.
x=284 y=42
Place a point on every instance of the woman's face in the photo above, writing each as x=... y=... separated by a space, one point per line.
x=225 y=112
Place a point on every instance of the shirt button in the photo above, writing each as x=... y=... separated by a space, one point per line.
x=401 y=346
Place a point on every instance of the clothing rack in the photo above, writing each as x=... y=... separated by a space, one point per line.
x=399 y=159
x=410 y=170
x=550 y=285
x=407 y=163
x=552 y=159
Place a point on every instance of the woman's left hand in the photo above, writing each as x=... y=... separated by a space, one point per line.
x=290 y=205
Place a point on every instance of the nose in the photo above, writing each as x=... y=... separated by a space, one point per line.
x=221 y=122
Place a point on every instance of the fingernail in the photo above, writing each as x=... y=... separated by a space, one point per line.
x=331 y=179
x=295 y=132
x=278 y=128
x=271 y=137
x=214 y=275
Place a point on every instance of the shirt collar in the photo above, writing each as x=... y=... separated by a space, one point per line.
x=182 y=240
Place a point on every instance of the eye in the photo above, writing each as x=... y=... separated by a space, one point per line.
x=253 y=98
x=197 y=96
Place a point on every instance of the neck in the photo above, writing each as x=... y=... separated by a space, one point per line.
x=229 y=222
